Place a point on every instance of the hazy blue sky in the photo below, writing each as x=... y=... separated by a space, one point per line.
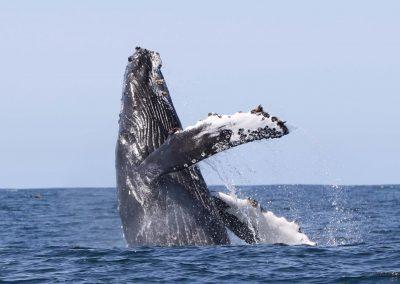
x=331 y=68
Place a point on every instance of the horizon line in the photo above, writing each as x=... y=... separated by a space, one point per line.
x=213 y=185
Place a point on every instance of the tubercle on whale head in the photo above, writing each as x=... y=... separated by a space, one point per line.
x=145 y=64
x=143 y=71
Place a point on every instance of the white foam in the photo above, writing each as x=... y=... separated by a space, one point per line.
x=269 y=227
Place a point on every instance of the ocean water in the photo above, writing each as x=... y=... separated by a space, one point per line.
x=74 y=235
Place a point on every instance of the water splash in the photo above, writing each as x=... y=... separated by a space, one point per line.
x=265 y=226
x=341 y=228
x=220 y=165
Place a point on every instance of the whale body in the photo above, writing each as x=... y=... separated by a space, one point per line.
x=162 y=196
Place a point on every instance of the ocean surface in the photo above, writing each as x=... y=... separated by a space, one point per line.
x=74 y=235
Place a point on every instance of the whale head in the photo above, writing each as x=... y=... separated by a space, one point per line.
x=142 y=64
x=147 y=113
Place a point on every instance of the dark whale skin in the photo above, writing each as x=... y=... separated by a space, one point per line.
x=163 y=199
x=177 y=208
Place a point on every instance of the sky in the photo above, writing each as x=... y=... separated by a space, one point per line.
x=331 y=69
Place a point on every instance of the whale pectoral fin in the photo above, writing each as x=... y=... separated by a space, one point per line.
x=207 y=137
x=240 y=228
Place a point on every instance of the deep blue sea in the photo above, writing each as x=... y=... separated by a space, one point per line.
x=74 y=235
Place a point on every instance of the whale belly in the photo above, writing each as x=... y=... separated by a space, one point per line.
x=181 y=212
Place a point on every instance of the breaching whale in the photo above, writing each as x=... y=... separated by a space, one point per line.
x=162 y=196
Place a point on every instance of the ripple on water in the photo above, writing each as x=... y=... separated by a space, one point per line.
x=73 y=235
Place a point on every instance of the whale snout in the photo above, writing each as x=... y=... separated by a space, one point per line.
x=143 y=71
x=144 y=60
x=145 y=92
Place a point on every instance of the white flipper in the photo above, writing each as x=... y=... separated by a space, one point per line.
x=262 y=226
x=214 y=134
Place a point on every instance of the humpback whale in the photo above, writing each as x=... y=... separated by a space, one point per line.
x=162 y=196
